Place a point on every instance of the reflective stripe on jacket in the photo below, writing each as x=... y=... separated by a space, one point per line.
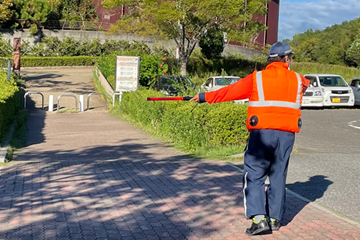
x=275 y=100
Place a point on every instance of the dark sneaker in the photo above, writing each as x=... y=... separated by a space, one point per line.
x=274 y=224
x=259 y=227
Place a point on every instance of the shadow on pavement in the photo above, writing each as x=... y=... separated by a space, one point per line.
x=110 y=191
x=38 y=76
x=312 y=189
x=123 y=191
x=115 y=192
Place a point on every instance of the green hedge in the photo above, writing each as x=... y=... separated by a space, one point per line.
x=4 y=62
x=53 y=61
x=9 y=102
x=207 y=125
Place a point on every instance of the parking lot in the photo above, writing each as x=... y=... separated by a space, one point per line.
x=325 y=163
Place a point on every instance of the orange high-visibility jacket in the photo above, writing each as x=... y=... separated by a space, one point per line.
x=275 y=96
x=275 y=100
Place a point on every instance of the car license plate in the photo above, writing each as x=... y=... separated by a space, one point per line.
x=336 y=100
x=305 y=101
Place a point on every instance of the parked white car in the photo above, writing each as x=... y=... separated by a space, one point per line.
x=333 y=89
x=355 y=85
x=217 y=82
x=313 y=96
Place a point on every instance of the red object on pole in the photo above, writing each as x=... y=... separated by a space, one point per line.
x=169 y=98
x=16 y=55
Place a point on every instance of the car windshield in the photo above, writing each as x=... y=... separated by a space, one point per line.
x=332 y=81
x=225 y=81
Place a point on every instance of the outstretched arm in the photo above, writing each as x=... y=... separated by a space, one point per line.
x=237 y=91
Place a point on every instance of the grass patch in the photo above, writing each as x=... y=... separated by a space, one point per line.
x=224 y=153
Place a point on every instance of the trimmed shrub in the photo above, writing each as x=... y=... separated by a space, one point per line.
x=207 y=125
x=58 y=61
x=9 y=102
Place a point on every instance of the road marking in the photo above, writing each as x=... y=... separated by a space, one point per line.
x=351 y=124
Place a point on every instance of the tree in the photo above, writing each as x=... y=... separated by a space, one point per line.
x=5 y=11
x=333 y=45
x=35 y=12
x=353 y=53
x=305 y=52
x=186 y=21
x=212 y=43
x=79 y=10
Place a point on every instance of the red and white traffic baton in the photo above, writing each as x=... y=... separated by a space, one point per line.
x=169 y=98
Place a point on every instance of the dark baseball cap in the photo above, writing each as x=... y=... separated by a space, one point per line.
x=280 y=49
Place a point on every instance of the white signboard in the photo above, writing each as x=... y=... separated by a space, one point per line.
x=126 y=73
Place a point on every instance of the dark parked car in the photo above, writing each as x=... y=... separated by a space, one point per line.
x=355 y=86
x=172 y=85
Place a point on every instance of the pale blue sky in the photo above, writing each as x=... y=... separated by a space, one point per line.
x=296 y=16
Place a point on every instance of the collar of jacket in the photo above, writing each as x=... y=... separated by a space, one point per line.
x=277 y=65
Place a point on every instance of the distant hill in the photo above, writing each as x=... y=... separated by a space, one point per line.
x=338 y=44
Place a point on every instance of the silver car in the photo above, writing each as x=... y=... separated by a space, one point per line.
x=355 y=85
x=217 y=82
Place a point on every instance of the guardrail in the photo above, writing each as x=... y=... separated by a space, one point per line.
x=66 y=95
x=95 y=93
x=29 y=93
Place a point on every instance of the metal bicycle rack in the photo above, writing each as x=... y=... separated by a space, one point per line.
x=95 y=93
x=29 y=93
x=116 y=94
x=66 y=95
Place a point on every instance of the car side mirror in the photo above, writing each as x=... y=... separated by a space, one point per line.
x=314 y=84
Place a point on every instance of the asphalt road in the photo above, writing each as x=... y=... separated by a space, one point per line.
x=325 y=164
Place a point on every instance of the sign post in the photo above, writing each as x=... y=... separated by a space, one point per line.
x=126 y=74
x=9 y=70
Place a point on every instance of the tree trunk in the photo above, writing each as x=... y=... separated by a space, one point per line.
x=183 y=66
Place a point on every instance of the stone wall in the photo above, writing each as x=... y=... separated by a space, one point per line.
x=89 y=35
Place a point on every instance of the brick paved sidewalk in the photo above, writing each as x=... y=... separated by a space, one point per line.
x=91 y=176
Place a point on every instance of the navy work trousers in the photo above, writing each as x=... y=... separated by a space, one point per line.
x=267 y=155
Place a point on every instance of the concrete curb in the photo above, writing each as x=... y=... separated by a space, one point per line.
x=314 y=204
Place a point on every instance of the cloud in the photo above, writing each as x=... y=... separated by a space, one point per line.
x=297 y=16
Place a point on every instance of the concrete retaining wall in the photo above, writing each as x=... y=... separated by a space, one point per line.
x=104 y=83
x=89 y=35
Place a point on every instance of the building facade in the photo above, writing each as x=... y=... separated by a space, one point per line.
x=271 y=20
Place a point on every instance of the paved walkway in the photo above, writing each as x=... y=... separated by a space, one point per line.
x=91 y=176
